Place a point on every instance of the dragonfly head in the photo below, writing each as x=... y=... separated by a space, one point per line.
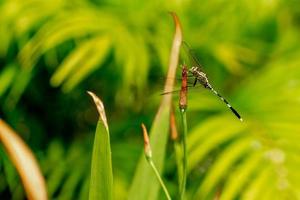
x=194 y=69
x=201 y=76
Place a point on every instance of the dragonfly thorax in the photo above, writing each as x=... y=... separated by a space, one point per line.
x=200 y=76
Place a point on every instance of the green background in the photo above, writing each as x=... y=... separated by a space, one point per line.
x=52 y=52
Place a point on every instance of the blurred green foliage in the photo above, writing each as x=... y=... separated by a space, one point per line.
x=51 y=52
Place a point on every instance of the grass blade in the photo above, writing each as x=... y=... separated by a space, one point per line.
x=25 y=163
x=148 y=155
x=159 y=132
x=177 y=146
x=101 y=183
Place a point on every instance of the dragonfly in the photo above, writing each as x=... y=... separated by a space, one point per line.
x=200 y=77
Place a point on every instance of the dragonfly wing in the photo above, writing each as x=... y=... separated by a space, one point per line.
x=189 y=87
x=192 y=56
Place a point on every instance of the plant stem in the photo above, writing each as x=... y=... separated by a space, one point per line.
x=159 y=179
x=177 y=145
x=184 y=135
x=178 y=157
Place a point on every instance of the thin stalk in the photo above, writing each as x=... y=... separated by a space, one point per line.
x=159 y=179
x=148 y=155
x=177 y=145
x=184 y=136
x=178 y=159
x=183 y=108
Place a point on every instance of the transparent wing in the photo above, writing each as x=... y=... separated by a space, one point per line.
x=190 y=54
x=190 y=87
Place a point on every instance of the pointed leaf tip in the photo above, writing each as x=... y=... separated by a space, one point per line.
x=147 y=147
x=100 y=108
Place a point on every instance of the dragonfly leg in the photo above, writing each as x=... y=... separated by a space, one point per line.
x=195 y=82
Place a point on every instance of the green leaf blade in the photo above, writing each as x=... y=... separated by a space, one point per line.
x=145 y=185
x=101 y=182
x=144 y=175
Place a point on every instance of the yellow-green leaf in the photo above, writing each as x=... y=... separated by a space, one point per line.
x=145 y=185
x=101 y=182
